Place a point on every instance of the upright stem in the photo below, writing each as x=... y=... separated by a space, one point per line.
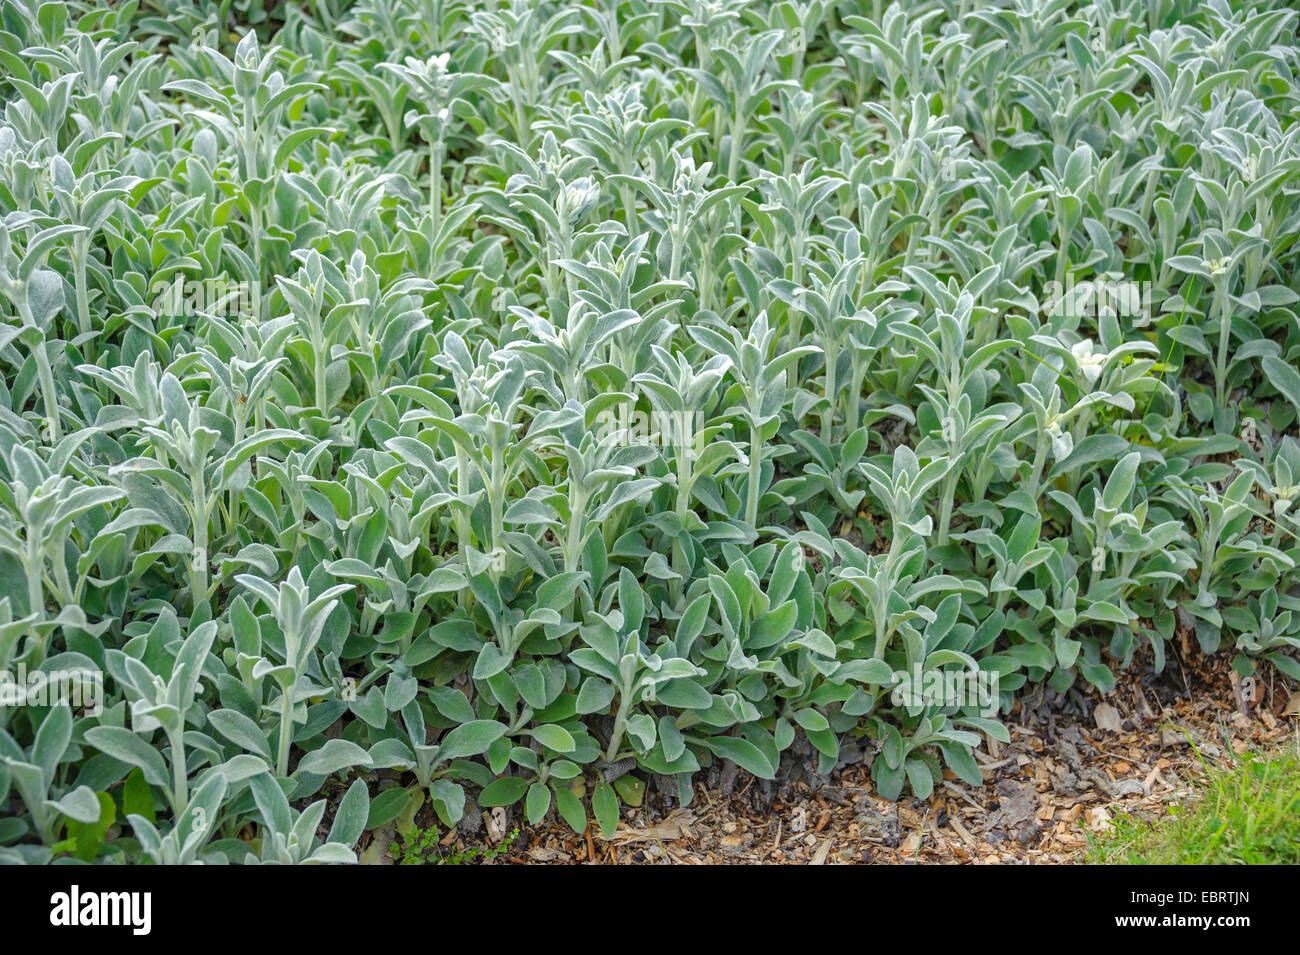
x=497 y=498
x=35 y=601
x=1225 y=335
x=180 y=773
x=199 y=558
x=35 y=590
x=81 y=250
x=945 y=505
x=629 y=211
x=620 y=724
x=851 y=416
x=832 y=352
x=232 y=502
x=683 y=506
x=286 y=729
x=1062 y=254
x=255 y=226
x=462 y=522
x=321 y=369
x=1040 y=458
x=755 y=471
x=733 y=160
x=880 y=608
x=794 y=314
x=577 y=504
x=683 y=478
x=435 y=186
x=44 y=374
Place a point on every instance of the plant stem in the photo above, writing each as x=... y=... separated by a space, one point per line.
x=320 y=370
x=620 y=726
x=832 y=353
x=199 y=556
x=80 y=252
x=1225 y=335
x=435 y=186
x=577 y=505
x=180 y=773
x=755 y=471
x=949 y=490
x=1062 y=253
x=286 y=728
x=629 y=211
x=35 y=590
x=733 y=159
x=44 y=375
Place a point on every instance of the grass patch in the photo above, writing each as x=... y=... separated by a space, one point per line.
x=1248 y=814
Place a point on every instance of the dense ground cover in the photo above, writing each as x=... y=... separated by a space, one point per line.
x=429 y=402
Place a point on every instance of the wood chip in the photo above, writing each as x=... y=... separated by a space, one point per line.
x=667 y=831
x=961 y=830
x=1107 y=718
x=822 y=852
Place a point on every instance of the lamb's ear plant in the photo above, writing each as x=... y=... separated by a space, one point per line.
x=417 y=405
x=441 y=93
x=1216 y=267
x=883 y=580
x=300 y=617
x=321 y=309
x=187 y=841
x=289 y=837
x=614 y=653
x=160 y=705
x=761 y=376
x=1266 y=628
x=602 y=477
x=680 y=395
x=1226 y=548
x=570 y=353
x=45 y=507
x=1281 y=481
x=36 y=294
x=681 y=209
x=440 y=768
x=608 y=283
x=251 y=108
x=33 y=774
x=492 y=446
x=87 y=201
x=194 y=464
x=838 y=329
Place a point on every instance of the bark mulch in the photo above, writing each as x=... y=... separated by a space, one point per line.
x=1075 y=762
